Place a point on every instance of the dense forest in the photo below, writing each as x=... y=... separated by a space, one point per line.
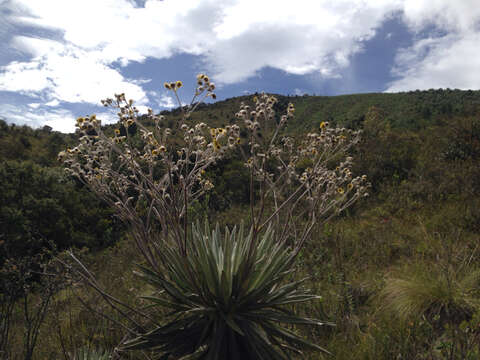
x=399 y=272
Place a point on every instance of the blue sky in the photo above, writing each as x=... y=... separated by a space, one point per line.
x=59 y=58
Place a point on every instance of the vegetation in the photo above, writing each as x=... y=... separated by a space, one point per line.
x=231 y=300
x=397 y=275
x=226 y=295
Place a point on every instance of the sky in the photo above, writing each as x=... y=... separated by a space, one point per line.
x=59 y=58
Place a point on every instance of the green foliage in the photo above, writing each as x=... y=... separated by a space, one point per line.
x=226 y=299
x=420 y=151
x=24 y=143
x=38 y=205
x=231 y=185
x=87 y=353
x=29 y=282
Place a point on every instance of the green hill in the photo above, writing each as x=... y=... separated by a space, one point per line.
x=397 y=272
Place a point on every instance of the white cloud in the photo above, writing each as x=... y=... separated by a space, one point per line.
x=237 y=38
x=166 y=101
x=163 y=100
x=458 y=15
x=53 y=103
x=59 y=119
x=446 y=62
x=64 y=72
x=27 y=78
x=37 y=115
x=312 y=36
x=298 y=92
x=107 y=117
x=449 y=57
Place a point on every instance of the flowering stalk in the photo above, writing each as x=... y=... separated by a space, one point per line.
x=150 y=179
x=153 y=179
x=304 y=182
x=150 y=176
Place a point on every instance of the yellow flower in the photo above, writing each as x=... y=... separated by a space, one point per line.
x=323 y=124
x=216 y=145
x=340 y=190
x=155 y=152
x=167 y=85
x=117 y=131
x=129 y=122
x=255 y=99
x=179 y=84
x=350 y=186
x=200 y=77
x=213 y=132
x=162 y=148
x=61 y=156
x=238 y=140
x=205 y=78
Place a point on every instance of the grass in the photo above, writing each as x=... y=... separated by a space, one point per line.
x=399 y=276
x=372 y=270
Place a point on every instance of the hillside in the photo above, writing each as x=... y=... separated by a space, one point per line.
x=397 y=272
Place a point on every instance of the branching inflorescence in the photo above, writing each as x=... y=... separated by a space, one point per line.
x=151 y=179
x=303 y=182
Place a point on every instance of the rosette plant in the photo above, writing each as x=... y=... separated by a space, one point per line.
x=87 y=353
x=227 y=299
x=228 y=293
